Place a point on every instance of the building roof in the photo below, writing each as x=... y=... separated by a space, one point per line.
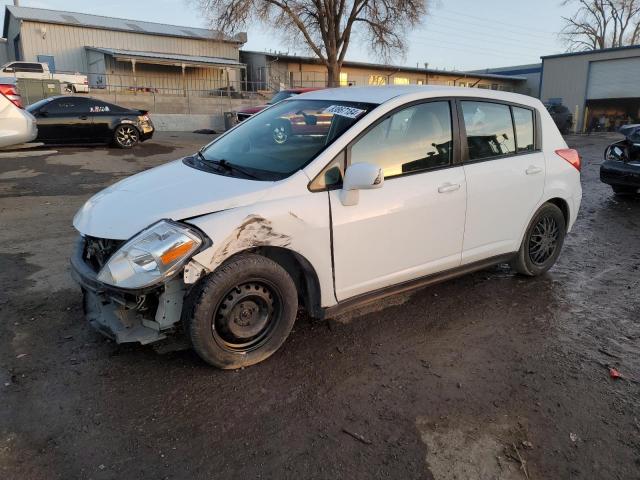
x=383 y=94
x=167 y=58
x=512 y=69
x=111 y=23
x=398 y=68
x=592 y=52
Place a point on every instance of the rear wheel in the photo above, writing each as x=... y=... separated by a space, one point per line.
x=542 y=242
x=126 y=136
x=242 y=313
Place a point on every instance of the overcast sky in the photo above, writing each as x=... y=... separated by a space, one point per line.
x=458 y=34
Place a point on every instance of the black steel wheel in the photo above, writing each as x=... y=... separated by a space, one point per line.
x=241 y=313
x=542 y=241
x=126 y=136
x=245 y=316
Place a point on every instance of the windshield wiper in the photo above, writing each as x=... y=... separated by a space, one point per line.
x=230 y=167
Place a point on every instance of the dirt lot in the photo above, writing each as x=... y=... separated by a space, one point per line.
x=473 y=378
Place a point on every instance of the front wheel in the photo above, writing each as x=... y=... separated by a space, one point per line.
x=542 y=242
x=126 y=136
x=242 y=313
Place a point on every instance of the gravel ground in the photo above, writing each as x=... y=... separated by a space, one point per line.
x=490 y=376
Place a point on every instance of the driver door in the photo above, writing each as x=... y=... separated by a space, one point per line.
x=413 y=226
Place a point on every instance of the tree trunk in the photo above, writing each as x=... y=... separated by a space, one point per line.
x=333 y=73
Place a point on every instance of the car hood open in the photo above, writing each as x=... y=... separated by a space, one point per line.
x=173 y=191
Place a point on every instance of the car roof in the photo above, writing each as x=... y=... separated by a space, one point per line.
x=382 y=94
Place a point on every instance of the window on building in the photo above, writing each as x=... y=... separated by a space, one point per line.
x=420 y=82
x=414 y=139
x=400 y=81
x=489 y=129
x=377 y=80
x=344 y=79
x=462 y=84
x=523 y=119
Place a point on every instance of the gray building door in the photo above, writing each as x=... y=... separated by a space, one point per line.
x=614 y=79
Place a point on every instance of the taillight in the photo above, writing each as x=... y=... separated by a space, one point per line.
x=12 y=95
x=570 y=155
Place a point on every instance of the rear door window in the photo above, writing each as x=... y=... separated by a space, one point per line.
x=489 y=129
x=68 y=106
x=523 y=120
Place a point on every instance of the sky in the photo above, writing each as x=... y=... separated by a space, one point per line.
x=456 y=35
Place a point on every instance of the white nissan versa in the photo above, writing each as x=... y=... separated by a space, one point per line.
x=327 y=200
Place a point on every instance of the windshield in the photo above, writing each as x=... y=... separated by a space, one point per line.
x=278 y=97
x=35 y=106
x=284 y=138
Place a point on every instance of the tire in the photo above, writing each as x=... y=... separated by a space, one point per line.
x=542 y=242
x=126 y=136
x=281 y=132
x=241 y=313
x=624 y=190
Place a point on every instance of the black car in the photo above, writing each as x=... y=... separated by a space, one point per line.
x=621 y=166
x=71 y=119
x=561 y=116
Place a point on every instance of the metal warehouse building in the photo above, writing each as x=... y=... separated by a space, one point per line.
x=126 y=54
x=601 y=84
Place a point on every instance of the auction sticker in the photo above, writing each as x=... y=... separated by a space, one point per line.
x=349 y=112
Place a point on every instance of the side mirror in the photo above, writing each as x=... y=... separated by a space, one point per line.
x=359 y=176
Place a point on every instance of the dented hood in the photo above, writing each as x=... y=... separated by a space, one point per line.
x=174 y=191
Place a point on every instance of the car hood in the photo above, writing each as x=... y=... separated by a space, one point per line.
x=174 y=191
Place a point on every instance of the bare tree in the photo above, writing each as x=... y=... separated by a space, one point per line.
x=325 y=26
x=601 y=24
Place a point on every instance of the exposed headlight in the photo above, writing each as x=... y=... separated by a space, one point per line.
x=151 y=256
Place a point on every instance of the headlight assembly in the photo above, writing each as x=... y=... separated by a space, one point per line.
x=152 y=256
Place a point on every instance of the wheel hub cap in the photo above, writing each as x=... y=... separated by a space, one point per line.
x=245 y=316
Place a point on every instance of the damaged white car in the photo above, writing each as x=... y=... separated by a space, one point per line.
x=324 y=201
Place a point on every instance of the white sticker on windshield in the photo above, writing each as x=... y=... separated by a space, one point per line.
x=349 y=112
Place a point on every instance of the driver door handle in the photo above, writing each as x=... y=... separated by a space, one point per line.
x=532 y=170
x=448 y=187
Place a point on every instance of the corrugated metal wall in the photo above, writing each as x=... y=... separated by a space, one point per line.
x=566 y=77
x=66 y=44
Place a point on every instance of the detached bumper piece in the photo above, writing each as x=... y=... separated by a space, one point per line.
x=620 y=173
x=126 y=316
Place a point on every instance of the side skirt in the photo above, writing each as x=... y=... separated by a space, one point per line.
x=364 y=298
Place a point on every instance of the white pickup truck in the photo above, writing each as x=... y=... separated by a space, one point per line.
x=75 y=83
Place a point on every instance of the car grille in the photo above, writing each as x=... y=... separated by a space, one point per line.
x=243 y=116
x=98 y=251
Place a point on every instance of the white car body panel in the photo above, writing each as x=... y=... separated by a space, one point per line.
x=402 y=231
x=407 y=229
x=497 y=190
x=16 y=124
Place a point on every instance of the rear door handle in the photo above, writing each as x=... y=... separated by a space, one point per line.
x=532 y=170
x=448 y=187
x=83 y=117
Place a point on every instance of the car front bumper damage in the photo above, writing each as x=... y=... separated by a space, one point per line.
x=140 y=316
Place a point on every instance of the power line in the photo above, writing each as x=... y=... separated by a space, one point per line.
x=493 y=20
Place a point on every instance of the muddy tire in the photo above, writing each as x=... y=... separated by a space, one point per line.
x=542 y=242
x=242 y=313
x=126 y=136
